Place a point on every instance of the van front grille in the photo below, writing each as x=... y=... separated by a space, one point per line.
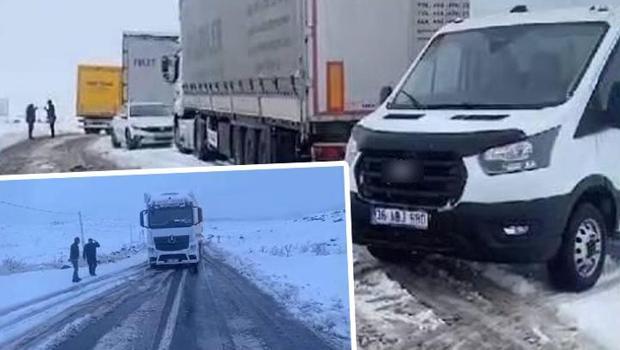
x=440 y=181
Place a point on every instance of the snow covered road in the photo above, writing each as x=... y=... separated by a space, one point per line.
x=442 y=303
x=71 y=152
x=141 y=308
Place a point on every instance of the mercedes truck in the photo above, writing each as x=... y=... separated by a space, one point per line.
x=173 y=224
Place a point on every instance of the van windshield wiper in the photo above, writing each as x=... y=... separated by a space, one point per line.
x=414 y=102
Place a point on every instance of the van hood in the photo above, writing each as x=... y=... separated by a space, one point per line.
x=465 y=132
x=158 y=122
x=462 y=121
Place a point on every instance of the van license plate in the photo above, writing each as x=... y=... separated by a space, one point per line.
x=397 y=217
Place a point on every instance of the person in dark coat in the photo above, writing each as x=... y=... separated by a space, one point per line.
x=51 y=116
x=74 y=257
x=90 y=255
x=31 y=117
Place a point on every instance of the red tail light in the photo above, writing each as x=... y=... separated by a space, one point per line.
x=328 y=152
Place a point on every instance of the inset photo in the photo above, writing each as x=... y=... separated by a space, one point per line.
x=219 y=258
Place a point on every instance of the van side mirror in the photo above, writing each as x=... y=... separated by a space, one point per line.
x=613 y=106
x=143 y=220
x=386 y=91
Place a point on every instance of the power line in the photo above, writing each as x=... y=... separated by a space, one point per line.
x=15 y=205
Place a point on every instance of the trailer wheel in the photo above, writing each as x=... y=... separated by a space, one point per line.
x=580 y=260
x=390 y=255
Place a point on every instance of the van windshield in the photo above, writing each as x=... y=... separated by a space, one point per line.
x=511 y=67
x=171 y=217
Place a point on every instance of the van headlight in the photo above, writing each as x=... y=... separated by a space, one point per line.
x=352 y=152
x=351 y=156
x=530 y=154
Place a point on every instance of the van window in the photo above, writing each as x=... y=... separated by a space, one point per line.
x=611 y=74
x=524 y=66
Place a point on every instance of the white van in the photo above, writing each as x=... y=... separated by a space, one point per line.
x=501 y=143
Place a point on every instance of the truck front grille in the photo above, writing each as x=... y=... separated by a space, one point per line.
x=171 y=243
x=441 y=179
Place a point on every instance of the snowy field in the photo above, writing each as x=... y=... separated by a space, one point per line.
x=41 y=240
x=301 y=262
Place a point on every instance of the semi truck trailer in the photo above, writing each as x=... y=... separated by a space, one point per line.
x=142 y=79
x=99 y=96
x=284 y=81
x=173 y=224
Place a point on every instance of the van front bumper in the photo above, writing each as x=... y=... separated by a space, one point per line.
x=472 y=230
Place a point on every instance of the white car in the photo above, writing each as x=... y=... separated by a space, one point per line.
x=142 y=124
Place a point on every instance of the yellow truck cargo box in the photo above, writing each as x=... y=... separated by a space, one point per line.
x=99 y=91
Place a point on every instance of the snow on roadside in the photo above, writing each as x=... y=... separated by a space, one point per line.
x=21 y=288
x=13 y=131
x=301 y=262
x=596 y=311
x=146 y=158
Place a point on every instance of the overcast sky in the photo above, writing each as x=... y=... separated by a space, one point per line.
x=224 y=195
x=43 y=41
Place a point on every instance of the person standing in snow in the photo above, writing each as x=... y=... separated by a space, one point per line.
x=90 y=255
x=31 y=117
x=74 y=257
x=51 y=116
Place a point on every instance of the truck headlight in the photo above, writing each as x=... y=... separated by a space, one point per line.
x=351 y=156
x=530 y=154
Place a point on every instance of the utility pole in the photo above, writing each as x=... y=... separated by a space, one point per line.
x=81 y=229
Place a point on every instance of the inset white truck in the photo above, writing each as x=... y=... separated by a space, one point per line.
x=173 y=224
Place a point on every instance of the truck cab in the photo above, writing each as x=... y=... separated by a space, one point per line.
x=173 y=223
x=500 y=143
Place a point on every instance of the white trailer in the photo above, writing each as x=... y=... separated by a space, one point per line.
x=142 y=66
x=173 y=224
x=281 y=81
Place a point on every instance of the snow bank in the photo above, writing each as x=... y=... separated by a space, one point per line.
x=302 y=263
x=146 y=158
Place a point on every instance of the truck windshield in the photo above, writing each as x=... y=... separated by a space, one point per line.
x=171 y=217
x=512 y=67
x=150 y=111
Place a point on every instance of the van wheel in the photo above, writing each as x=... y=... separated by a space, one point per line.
x=580 y=260
x=390 y=255
x=153 y=266
x=195 y=269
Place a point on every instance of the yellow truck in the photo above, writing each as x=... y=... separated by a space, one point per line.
x=99 y=96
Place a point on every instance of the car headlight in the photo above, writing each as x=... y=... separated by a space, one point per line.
x=530 y=154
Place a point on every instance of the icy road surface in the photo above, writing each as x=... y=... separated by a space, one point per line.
x=442 y=303
x=73 y=152
x=141 y=308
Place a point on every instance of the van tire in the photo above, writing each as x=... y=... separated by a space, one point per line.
x=153 y=266
x=585 y=222
x=390 y=255
x=195 y=269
